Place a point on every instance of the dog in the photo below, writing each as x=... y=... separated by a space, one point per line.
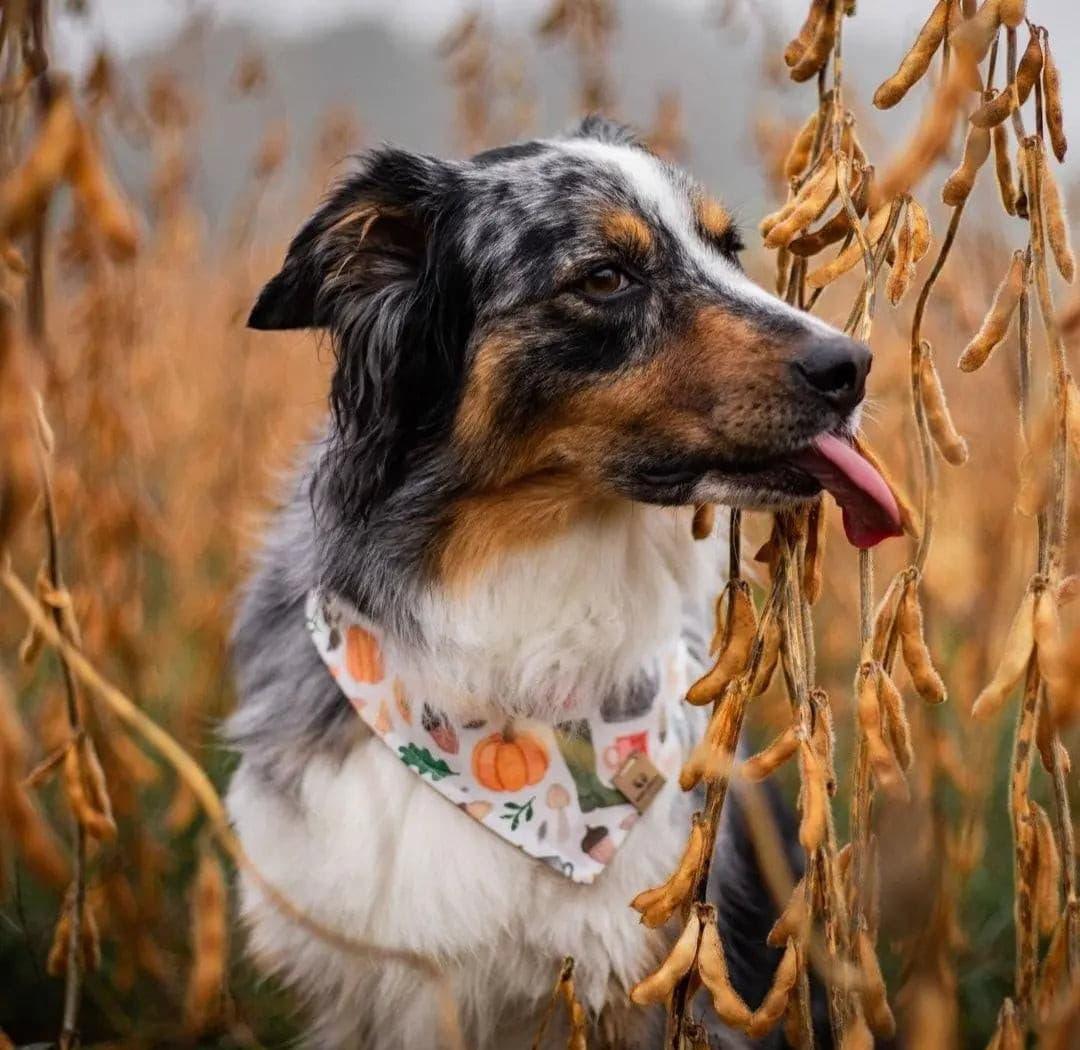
x=546 y=356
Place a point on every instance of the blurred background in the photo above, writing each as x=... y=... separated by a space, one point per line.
x=220 y=124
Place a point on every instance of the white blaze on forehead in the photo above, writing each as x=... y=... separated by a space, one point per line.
x=665 y=200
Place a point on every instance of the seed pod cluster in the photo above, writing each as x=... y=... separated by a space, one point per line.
x=658 y=905
x=995 y=325
x=839 y=225
x=805 y=207
x=824 y=275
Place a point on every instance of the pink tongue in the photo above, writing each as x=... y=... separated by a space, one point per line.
x=869 y=508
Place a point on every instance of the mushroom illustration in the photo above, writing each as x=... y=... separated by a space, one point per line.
x=558 y=798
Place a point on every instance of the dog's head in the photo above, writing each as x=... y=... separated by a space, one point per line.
x=553 y=326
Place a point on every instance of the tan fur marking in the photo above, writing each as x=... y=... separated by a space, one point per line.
x=715 y=219
x=711 y=389
x=625 y=228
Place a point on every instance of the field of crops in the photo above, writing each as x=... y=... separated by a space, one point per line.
x=917 y=704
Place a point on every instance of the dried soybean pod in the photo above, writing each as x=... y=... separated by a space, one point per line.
x=1030 y=67
x=657 y=905
x=995 y=325
x=1047 y=628
x=883 y=761
x=852 y=254
x=712 y=968
x=658 y=986
x=916 y=62
x=1072 y=417
x=204 y=999
x=794 y=920
x=771 y=757
x=857 y=1035
x=1019 y=644
x=765 y=1017
x=997 y=108
x=1048 y=872
x=704 y=521
x=798 y=156
x=874 y=996
x=884 y=616
x=822 y=179
x=916 y=653
x=770 y=654
x=1057 y=225
x=814 y=798
x=736 y=651
x=959 y=183
x=1003 y=169
x=903 y=266
x=714 y=753
x=1055 y=119
x=839 y=225
x=794 y=50
x=974 y=36
x=950 y=444
x=1054 y=966
x=1012 y=12
x=811 y=201
x=817 y=51
x=920 y=229
x=83 y=794
x=897 y=728
x=814 y=562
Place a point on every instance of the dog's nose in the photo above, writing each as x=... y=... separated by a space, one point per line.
x=836 y=368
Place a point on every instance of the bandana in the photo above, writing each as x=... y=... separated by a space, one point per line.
x=567 y=794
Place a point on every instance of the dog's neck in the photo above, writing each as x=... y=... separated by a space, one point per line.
x=551 y=631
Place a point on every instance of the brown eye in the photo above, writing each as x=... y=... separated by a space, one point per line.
x=605 y=282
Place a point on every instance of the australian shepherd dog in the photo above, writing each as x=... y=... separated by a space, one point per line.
x=546 y=356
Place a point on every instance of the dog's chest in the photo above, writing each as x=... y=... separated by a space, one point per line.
x=385 y=858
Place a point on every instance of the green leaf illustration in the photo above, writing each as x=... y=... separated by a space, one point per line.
x=516 y=813
x=425 y=762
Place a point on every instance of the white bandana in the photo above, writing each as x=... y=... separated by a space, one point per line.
x=567 y=794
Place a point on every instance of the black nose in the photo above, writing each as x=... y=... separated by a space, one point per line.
x=836 y=367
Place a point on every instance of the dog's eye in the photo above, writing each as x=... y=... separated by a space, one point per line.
x=605 y=282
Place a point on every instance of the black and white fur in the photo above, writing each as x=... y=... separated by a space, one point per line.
x=491 y=369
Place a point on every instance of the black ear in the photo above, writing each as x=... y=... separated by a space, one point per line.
x=392 y=196
x=370 y=267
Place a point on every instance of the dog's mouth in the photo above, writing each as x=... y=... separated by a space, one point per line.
x=868 y=506
x=830 y=461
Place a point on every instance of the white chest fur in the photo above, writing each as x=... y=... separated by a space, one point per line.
x=371 y=850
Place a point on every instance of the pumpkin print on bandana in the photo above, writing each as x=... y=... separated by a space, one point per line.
x=546 y=789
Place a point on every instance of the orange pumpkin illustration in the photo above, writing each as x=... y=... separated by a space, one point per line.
x=503 y=763
x=362 y=656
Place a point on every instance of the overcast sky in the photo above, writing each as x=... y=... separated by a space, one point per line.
x=130 y=25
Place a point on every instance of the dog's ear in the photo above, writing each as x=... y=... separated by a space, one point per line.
x=371 y=267
x=373 y=216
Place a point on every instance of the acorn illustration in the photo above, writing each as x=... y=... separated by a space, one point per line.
x=598 y=845
x=442 y=732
